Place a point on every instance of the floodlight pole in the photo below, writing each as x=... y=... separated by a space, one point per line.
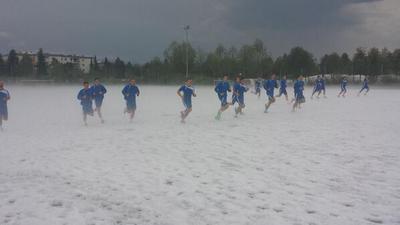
x=186 y=28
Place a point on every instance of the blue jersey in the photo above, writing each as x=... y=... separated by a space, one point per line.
x=4 y=96
x=283 y=85
x=270 y=86
x=365 y=84
x=322 y=83
x=238 y=93
x=86 y=98
x=188 y=92
x=343 y=84
x=298 y=89
x=222 y=88
x=98 y=91
x=130 y=92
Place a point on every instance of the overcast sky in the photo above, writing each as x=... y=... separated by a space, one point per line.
x=138 y=30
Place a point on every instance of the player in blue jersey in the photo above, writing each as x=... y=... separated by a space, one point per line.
x=98 y=91
x=282 y=88
x=222 y=88
x=365 y=87
x=269 y=86
x=86 y=97
x=257 y=87
x=298 y=93
x=343 y=87
x=239 y=89
x=4 y=98
x=185 y=92
x=130 y=92
x=317 y=87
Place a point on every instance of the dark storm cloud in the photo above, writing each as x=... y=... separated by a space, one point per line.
x=291 y=14
x=140 y=29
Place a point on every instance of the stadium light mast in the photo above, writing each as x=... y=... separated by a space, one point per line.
x=186 y=28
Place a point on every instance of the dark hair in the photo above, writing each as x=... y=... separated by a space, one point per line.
x=187 y=79
x=96 y=78
x=85 y=82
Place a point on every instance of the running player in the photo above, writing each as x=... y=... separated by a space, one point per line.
x=130 y=92
x=4 y=98
x=98 y=94
x=185 y=92
x=222 y=89
x=257 y=87
x=86 y=97
x=343 y=87
x=317 y=87
x=282 y=88
x=298 y=93
x=238 y=95
x=269 y=86
x=364 y=87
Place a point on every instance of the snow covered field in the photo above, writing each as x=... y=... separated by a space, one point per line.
x=337 y=161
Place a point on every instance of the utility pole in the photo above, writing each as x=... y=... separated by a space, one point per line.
x=186 y=28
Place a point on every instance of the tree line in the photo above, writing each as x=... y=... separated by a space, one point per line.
x=251 y=60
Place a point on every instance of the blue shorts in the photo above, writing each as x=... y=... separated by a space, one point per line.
x=98 y=102
x=239 y=100
x=3 y=112
x=87 y=109
x=223 y=99
x=365 y=88
x=187 y=103
x=130 y=105
x=300 y=98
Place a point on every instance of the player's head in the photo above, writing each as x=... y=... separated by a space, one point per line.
x=301 y=77
x=238 y=78
x=318 y=77
x=85 y=84
x=132 y=81
x=1 y=84
x=225 y=78
x=96 y=80
x=189 y=81
x=273 y=77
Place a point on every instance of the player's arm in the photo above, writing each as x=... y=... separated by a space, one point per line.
x=138 y=92
x=194 y=94
x=179 y=92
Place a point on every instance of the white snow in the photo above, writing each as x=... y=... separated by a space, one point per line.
x=334 y=162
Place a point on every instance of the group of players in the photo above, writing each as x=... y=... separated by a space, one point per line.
x=96 y=92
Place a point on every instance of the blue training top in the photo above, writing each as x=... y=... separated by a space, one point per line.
x=4 y=96
x=298 y=88
x=130 y=92
x=343 y=84
x=187 y=93
x=283 y=85
x=98 y=91
x=270 y=86
x=222 y=87
x=85 y=96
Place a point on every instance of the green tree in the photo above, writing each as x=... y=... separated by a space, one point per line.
x=41 y=64
x=2 y=66
x=300 y=62
x=25 y=66
x=175 y=57
x=360 y=62
x=395 y=60
x=119 y=68
x=12 y=63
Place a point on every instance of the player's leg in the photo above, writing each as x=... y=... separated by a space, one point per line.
x=85 y=118
x=99 y=103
